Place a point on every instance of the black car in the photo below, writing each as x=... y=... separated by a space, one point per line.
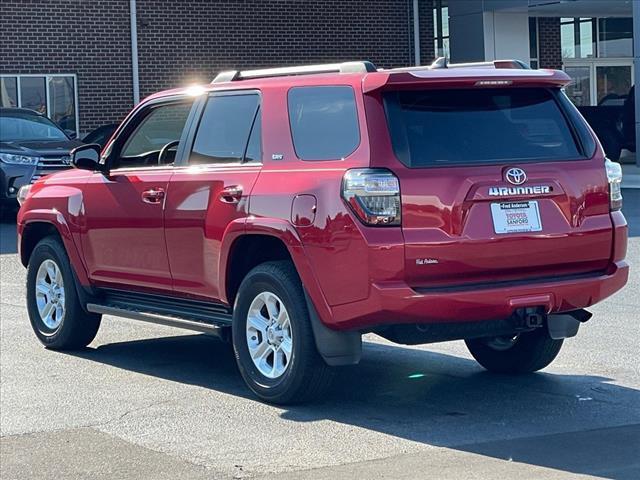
x=614 y=122
x=101 y=135
x=31 y=146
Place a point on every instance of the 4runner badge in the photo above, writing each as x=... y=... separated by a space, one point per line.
x=506 y=191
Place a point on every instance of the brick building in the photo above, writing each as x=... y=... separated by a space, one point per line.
x=74 y=59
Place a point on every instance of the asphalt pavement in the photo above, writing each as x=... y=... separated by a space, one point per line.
x=152 y=402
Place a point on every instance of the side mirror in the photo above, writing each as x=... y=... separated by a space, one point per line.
x=87 y=157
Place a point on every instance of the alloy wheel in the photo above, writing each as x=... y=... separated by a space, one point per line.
x=50 y=295
x=502 y=343
x=269 y=335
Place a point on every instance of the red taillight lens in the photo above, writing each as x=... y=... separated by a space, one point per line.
x=374 y=196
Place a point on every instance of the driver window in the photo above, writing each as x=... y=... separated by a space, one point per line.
x=161 y=126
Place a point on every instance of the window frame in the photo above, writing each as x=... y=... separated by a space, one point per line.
x=130 y=125
x=198 y=113
x=47 y=76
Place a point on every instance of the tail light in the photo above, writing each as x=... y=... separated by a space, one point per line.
x=614 y=176
x=374 y=195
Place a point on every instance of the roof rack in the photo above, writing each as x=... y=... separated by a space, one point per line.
x=345 y=67
x=441 y=62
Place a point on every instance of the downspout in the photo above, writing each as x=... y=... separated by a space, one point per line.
x=416 y=33
x=134 y=52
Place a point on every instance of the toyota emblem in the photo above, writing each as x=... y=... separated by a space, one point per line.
x=515 y=176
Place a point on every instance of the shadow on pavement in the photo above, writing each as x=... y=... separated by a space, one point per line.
x=8 y=239
x=431 y=398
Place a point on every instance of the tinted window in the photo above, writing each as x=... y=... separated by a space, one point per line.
x=436 y=127
x=8 y=92
x=160 y=126
x=63 y=103
x=100 y=135
x=254 y=149
x=224 y=129
x=18 y=126
x=324 y=122
x=33 y=94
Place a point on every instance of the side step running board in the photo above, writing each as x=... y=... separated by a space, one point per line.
x=154 y=318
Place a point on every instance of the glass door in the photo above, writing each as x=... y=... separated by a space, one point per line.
x=613 y=83
x=579 y=91
x=599 y=82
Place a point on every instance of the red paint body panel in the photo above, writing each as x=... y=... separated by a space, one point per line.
x=405 y=305
x=196 y=220
x=123 y=236
x=58 y=201
x=357 y=276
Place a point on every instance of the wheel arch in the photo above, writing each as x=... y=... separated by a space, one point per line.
x=266 y=240
x=38 y=224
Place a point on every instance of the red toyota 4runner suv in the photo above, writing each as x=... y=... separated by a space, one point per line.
x=292 y=210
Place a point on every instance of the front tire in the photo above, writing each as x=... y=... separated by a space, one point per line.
x=524 y=353
x=272 y=337
x=56 y=316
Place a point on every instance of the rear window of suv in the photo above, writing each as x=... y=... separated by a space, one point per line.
x=432 y=128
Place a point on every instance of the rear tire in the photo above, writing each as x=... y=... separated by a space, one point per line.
x=526 y=353
x=273 y=340
x=56 y=316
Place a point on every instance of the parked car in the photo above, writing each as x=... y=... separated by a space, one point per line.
x=292 y=210
x=613 y=120
x=101 y=135
x=31 y=146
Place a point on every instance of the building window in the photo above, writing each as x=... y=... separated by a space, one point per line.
x=591 y=37
x=52 y=95
x=577 y=37
x=534 y=48
x=615 y=37
x=441 y=28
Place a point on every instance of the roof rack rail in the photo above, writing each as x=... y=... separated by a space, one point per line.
x=345 y=67
x=441 y=62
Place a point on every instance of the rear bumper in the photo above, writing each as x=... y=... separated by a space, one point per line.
x=396 y=302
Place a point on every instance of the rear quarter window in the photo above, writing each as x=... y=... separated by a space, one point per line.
x=479 y=126
x=324 y=122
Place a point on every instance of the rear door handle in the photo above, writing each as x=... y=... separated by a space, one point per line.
x=153 y=195
x=231 y=194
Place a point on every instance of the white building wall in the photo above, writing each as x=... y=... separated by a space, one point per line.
x=483 y=30
x=506 y=36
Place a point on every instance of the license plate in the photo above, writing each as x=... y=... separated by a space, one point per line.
x=514 y=217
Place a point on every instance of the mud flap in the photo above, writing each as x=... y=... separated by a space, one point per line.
x=335 y=347
x=566 y=325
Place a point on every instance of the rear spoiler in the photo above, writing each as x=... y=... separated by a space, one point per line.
x=498 y=73
x=442 y=62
